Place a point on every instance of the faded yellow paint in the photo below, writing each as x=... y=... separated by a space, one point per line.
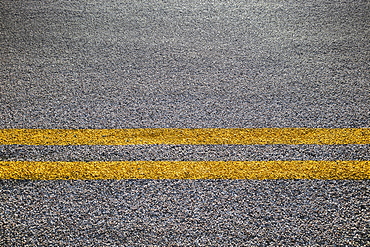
x=205 y=136
x=185 y=170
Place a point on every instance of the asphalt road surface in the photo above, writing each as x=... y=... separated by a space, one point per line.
x=69 y=64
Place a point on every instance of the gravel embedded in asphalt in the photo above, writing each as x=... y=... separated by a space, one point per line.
x=184 y=64
x=184 y=152
x=193 y=64
x=184 y=212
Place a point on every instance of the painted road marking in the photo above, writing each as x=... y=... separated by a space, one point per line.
x=185 y=170
x=251 y=136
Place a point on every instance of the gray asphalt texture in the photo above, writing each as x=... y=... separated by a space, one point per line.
x=184 y=64
x=194 y=213
x=185 y=152
x=148 y=64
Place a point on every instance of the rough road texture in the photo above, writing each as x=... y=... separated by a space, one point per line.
x=184 y=64
x=163 y=213
x=185 y=152
x=122 y=64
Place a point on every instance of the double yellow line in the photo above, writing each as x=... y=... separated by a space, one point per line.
x=205 y=136
x=185 y=169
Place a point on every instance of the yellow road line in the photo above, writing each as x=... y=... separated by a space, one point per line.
x=205 y=136
x=185 y=170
